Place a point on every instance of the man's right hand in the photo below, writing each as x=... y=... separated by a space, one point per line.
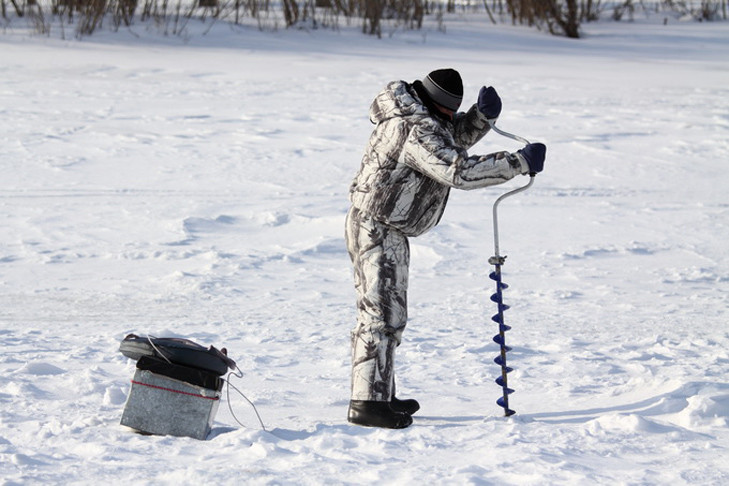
x=534 y=153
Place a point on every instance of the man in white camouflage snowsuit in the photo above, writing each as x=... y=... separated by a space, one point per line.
x=416 y=154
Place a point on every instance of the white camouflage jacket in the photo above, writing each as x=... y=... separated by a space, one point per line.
x=413 y=159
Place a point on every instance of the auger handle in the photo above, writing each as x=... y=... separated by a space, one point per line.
x=496 y=216
x=523 y=140
x=532 y=175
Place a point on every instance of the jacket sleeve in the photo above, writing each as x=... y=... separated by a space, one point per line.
x=433 y=152
x=470 y=127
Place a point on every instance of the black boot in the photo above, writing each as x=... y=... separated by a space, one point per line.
x=377 y=414
x=408 y=406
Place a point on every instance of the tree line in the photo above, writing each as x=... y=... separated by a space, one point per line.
x=559 y=17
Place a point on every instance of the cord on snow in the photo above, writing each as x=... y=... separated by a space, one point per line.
x=229 y=385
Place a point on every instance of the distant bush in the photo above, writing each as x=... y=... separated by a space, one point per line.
x=559 y=17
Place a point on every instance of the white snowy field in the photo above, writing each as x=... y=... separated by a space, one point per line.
x=197 y=188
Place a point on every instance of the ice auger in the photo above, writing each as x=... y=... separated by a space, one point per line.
x=497 y=261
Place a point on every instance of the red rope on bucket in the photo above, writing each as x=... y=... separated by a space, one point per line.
x=174 y=391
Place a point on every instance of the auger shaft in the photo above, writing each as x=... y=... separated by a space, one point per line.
x=500 y=338
x=497 y=261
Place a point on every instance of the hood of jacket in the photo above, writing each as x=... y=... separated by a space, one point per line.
x=398 y=99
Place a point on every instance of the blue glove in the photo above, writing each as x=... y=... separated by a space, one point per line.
x=534 y=154
x=489 y=102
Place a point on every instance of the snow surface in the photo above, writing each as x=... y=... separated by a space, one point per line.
x=196 y=187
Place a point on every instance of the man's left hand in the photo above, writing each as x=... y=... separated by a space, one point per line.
x=489 y=102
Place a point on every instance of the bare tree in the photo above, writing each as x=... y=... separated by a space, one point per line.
x=558 y=17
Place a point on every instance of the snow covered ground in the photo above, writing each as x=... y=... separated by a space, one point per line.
x=196 y=187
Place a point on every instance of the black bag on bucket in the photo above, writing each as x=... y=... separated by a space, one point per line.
x=194 y=376
x=177 y=351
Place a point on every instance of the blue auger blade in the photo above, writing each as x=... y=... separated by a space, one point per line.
x=494 y=276
x=499 y=319
x=506 y=390
x=501 y=363
x=498 y=339
x=507 y=411
x=504 y=346
x=498 y=299
x=500 y=381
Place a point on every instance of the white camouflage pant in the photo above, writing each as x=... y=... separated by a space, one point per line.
x=381 y=256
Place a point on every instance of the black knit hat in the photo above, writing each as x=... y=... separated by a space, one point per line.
x=445 y=87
